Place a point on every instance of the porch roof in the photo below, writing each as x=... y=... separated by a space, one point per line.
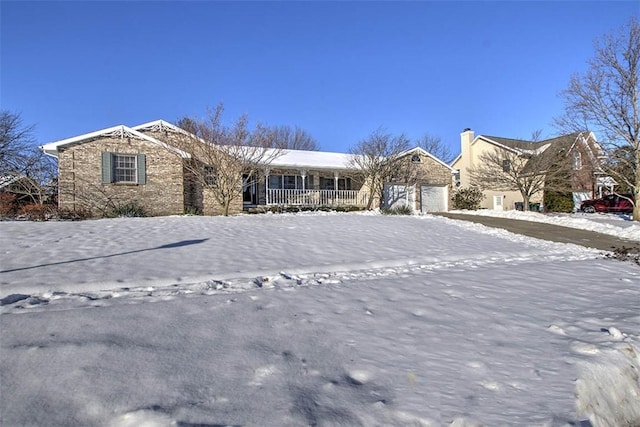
x=301 y=159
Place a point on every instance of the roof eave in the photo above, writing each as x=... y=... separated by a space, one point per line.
x=53 y=148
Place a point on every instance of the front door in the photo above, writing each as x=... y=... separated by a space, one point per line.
x=497 y=203
x=249 y=190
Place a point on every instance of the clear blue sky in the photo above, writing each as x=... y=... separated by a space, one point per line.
x=339 y=70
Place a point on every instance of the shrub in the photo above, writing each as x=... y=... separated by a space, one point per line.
x=33 y=212
x=130 y=209
x=398 y=210
x=77 y=214
x=192 y=210
x=7 y=205
x=558 y=201
x=348 y=208
x=467 y=198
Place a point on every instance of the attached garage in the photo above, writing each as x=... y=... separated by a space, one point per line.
x=434 y=198
x=397 y=195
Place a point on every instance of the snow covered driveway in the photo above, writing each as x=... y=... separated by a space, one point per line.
x=337 y=319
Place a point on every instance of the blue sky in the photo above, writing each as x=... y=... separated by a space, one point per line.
x=339 y=70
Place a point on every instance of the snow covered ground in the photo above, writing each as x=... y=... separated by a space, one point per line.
x=311 y=319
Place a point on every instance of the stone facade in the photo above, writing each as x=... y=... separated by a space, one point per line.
x=418 y=169
x=80 y=178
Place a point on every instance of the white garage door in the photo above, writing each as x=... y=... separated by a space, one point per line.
x=434 y=198
x=396 y=195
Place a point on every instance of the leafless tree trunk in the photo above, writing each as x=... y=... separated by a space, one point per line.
x=223 y=158
x=605 y=99
x=376 y=157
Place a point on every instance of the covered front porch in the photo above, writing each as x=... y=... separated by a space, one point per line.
x=289 y=197
x=287 y=187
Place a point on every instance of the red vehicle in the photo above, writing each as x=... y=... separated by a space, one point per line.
x=610 y=203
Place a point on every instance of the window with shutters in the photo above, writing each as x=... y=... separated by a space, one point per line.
x=118 y=168
x=125 y=168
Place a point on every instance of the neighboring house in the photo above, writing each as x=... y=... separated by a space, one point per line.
x=580 y=150
x=121 y=164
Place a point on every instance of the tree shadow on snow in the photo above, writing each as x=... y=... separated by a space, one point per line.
x=167 y=246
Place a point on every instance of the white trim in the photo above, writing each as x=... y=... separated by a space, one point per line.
x=426 y=153
x=160 y=124
x=121 y=131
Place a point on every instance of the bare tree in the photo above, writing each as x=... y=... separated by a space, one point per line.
x=529 y=174
x=37 y=184
x=16 y=144
x=434 y=145
x=536 y=135
x=376 y=158
x=605 y=100
x=223 y=159
x=295 y=138
x=32 y=171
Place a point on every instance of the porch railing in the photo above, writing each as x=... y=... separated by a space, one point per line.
x=317 y=197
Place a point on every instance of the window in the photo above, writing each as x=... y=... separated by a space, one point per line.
x=344 y=183
x=123 y=168
x=415 y=158
x=506 y=165
x=275 y=181
x=329 y=184
x=577 y=161
x=288 y=182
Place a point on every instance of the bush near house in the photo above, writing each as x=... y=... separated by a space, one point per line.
x=129 y=209
x=8 y=205
x=36 y=212
x=398 y=210
x=558 y=201
x=467 y=198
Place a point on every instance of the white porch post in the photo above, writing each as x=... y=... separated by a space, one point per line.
x=266 y=185
x=336 y=198
x=303 y=174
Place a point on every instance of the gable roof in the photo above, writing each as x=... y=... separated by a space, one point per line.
x=536 y=147
x=426 y=153
x=160 y=125
x=547 y=149
x=120 y=131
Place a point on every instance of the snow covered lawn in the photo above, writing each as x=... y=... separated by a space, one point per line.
x=293 y=320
